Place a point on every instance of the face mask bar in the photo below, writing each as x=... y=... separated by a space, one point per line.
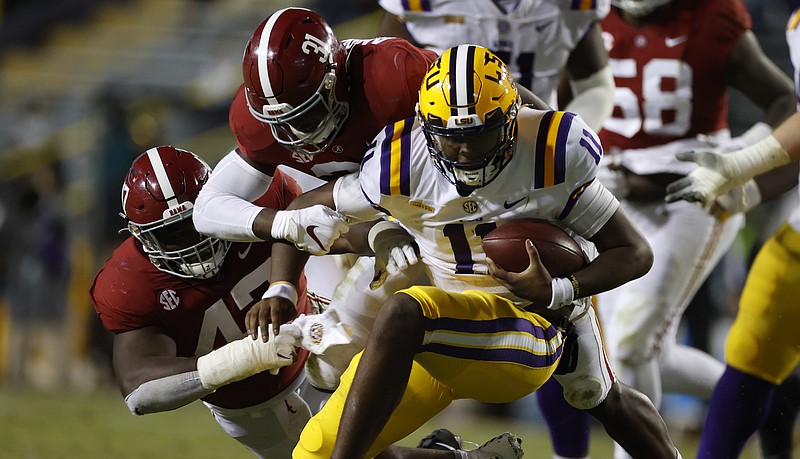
x=279 y=118
x=481 y=172
x=202 y=260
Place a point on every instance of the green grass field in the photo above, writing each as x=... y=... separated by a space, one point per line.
x=36 y=425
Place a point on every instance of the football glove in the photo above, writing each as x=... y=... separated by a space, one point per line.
x=718 y=173
x=312 y=229
x=394 y=249
x=243 y=358
x=317 y=332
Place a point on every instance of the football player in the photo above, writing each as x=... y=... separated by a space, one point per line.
x=538 y=40
x=176 y=303
x=762 y=348
x=497 y=337
x=673 y=64
x=311 y=102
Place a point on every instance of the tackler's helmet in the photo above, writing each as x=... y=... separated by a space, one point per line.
x=467 y=92
x=639 y=8
x=158 y=198
x=294 y=79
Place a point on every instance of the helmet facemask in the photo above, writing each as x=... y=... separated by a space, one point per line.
x=165 y=244
x=468 y=107
x=322 y=106
x=470 y=175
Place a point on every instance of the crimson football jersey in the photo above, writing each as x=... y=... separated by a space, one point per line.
x=200 y=315
x=670 y=74
x=384 y=77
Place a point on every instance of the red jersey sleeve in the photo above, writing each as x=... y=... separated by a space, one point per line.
x=725 y=21
x=392 y=75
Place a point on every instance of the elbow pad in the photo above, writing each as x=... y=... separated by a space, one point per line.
x=593 y=98
x=165 y=394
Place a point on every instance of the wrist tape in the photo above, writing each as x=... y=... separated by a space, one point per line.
x=281 y=289
x=563 y=292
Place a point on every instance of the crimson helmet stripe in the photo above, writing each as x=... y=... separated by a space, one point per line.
x=462 y=90
x=161 y=177
x=263 y=63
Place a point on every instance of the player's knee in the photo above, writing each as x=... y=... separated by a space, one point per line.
x=585 y=393
x=312 y=443
x=404 y=314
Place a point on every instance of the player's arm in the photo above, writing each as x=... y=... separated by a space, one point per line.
x=225 y=209
x=590 y=79
x=624 y=255
x=719 y=173
x=153 y=378
x=750 y=71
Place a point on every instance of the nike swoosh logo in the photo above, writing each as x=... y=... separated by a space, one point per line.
x=244 y=252
x=509 y=205
x=673 y=42
x=310 y=231
x=540 y=27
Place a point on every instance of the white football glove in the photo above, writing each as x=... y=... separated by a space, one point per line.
x=317 y=332
x=740 y=199
x=312 y=229
x=721 y=172
x=243 y=358
x=394 y=249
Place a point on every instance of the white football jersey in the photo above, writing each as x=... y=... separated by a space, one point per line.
x=793 y=40
x=534 y=38
x=551 y=176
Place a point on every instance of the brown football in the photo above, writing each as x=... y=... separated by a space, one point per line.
x=559 y=252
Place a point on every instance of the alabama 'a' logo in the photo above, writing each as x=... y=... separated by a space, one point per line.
x=169 y=299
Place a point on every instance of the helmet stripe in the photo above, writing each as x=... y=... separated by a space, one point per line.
x=462 y=91
x=263 y=65
x=161 y=177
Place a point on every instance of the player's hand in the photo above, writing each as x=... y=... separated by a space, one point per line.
x=276 y=352
x=533 y=284
x=317 y=332
x=740 y=199
x=395 y=250
x=312 y=229
x=716 y=175
x=268 y=313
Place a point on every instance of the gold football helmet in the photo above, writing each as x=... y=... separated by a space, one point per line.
x=468 y=94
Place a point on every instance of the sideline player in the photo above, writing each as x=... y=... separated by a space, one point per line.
x=673 y=63
x=762 y=349
x=176 y=303
x=540 y=41
x=438 y=175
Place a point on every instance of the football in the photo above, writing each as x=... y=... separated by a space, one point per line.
x=559 y=252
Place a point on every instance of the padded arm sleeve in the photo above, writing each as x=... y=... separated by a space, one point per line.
x=165 y=394
x=224 y=208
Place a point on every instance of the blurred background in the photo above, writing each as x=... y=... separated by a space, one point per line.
x=88 y=85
